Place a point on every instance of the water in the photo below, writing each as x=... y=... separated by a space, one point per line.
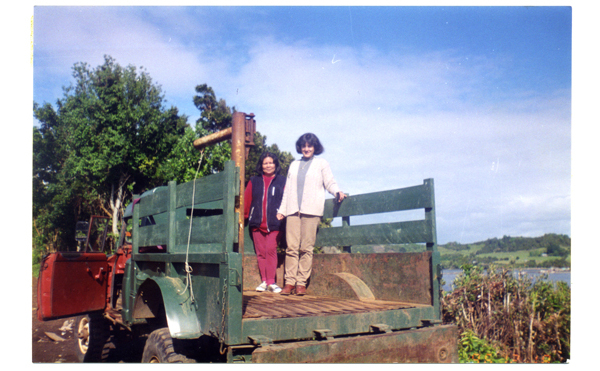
x=449 y=275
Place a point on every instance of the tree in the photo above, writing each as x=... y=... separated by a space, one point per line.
x=215 y=115
x=182 y=163
x=109 y=133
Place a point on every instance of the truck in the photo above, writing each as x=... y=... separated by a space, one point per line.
x=182 y=277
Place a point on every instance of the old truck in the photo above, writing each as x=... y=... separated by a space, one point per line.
x=183 y=275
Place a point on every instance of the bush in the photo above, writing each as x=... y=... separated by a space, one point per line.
x=472 y=349
x=525 y=321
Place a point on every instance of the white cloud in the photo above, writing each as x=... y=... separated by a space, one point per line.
x=500 y=156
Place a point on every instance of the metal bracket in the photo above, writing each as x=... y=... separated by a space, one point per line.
x=380 y=327
x=234 y=277
x=260 y=340
x=324 y=334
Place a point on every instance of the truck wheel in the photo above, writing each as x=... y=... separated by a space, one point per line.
x=161 y=348
x=92 y=338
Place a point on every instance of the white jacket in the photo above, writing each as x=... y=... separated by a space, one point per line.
x=318 y=179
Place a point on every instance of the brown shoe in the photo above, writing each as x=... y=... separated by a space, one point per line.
x=300 y=290
x=287 y=290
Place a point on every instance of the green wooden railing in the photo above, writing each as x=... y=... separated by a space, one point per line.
x=161 y=251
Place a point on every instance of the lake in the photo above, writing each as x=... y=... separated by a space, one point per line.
x=449 y=275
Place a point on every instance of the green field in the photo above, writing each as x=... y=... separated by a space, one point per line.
x=528 y=254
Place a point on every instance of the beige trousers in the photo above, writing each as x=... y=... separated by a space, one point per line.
x=301 y=232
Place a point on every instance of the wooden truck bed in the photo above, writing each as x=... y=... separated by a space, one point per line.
x=268 y=305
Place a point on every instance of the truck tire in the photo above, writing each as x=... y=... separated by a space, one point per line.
x=93 y=340
x=161 y=348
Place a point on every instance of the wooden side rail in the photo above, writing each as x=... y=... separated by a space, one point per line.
x=410 y=198
x=170 y=209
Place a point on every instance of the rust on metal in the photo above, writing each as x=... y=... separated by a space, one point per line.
x=428 y=345
x=238 y=155
x=250 y=129
x=268 y=305
x=213 y=138
x=241 y=133
x=407 y=276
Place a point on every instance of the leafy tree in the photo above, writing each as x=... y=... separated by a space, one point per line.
x=215 y=115
x=110 y=137
x=107 y=137
x=182 y=165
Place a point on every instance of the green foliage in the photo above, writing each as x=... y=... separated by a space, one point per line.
x=183 y=160
x=515 y=251
x=457 y=246
x=525 y=321
x=215 y=115
x=472 y=349
x=110 y=137
x=508 y=244
x=106 y=137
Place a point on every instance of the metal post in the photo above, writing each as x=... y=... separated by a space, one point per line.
x=212 y=138
x=238 y=155
x=241 y=134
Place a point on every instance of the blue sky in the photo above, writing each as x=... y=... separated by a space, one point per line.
x=478 y=98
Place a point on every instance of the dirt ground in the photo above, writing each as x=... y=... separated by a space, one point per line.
x=44 y=349
x=48 y=348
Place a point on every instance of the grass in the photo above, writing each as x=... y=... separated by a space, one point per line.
x=503 y=258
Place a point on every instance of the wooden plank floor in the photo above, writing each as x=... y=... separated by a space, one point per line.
x=265 y=305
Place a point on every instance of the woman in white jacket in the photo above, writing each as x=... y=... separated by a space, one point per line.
x=303 y=203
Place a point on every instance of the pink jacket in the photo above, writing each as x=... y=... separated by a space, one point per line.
x=318 y=179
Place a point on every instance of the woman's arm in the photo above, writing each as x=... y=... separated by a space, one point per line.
x=329 y=182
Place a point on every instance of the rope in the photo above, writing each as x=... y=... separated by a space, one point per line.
x=188 y=268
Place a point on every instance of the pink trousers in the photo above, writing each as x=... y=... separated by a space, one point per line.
x=265 y=245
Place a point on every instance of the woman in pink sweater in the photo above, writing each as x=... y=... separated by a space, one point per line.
x=303 y=203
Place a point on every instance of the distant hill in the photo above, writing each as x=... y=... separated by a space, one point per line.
x=549 y=250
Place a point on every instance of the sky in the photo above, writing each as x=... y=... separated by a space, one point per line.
x=477 y=98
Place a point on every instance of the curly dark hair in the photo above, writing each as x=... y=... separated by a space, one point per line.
x=312 y=140
x=258 y=167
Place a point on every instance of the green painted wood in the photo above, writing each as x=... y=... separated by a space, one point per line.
x=229 y=194
x=302 y=327
x=193 y=257
x=172 y=212
x=202 y=248
x=209 y=229
x=156 y=203
x=375 y=234
x=248 y=243
x=234 y=308
x=430 y=219
x=409 y=198
x=153 y=235
x=234 y=271
x=135 y=231
x=209 y=188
